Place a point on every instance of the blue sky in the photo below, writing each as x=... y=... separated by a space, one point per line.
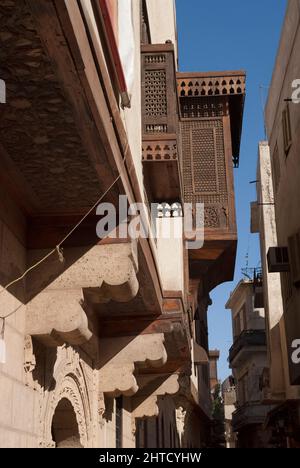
x=234 y=35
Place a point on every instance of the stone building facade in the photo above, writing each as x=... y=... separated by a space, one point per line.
x=275 y=217
x=229 y=401
x=106 y=338
x=248 y=360
x=214 y=356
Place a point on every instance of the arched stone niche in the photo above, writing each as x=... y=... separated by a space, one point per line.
x=64 y=429
x=71 y=386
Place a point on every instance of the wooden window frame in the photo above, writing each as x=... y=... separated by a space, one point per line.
x=286 y=128
x=276 y=168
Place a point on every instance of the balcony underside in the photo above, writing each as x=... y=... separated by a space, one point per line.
x=248 y=343
x=215 y=262
x=48 y=146
x=161 y=168
x=250 y=414
x=59 y=149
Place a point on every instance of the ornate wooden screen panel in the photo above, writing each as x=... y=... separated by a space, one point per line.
x=202 y=107
x=159 y=90
x=211 y=109
x=204 y=168
x=217 y=85
x=160 y=120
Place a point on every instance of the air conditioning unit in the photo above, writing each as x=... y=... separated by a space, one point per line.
x=278 y=260
x=294 y=255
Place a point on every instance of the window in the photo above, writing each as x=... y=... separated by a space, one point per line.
x=240 y=322
x=286 y=126
x=119 y=422
x=294 y=255
x=276 y=168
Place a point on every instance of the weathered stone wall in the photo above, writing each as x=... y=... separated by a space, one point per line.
x=285 y=161
x=34 y=378
x=19 y=403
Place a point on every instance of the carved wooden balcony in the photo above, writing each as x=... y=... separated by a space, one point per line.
x=211 y=110
x=218 y=88
x=160 y=152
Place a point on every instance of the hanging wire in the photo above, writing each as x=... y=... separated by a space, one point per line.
x=58 y=247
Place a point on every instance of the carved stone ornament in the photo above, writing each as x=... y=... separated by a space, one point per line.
x=180 y=420
x=29 y=357
x=184 y=411
x=57 y=315
x=119 y=356
x=69 y=382
x=107 y=272
x=151 y=388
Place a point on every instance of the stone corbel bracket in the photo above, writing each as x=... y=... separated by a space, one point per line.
x=58 y=317
x=57 y=312
x=119 y=358
x=118 y=266
x=151 y=388
x=105 y=272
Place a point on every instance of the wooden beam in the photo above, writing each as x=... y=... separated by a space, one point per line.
x=132 y=326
